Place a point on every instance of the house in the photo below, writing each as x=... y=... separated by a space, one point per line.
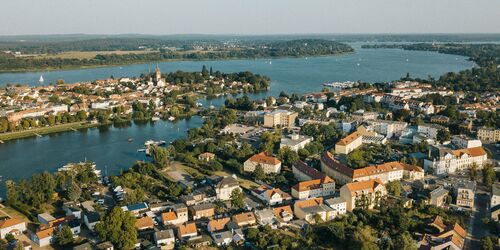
x=313 y=210
x=303 y=172
x=488 y=134
x=283 y=214
x=177 y=214
x=72 y=208
x=270 y=196
x=207 y=156
x=164 y=238
x=314 y=188
x=43 y=236
x=107 y=245
x=438 y=197
x=349 y=143
x=199 y=242
x=387 y=127
x=91 y=219
x=202 y=210
x=225 y=187
x=430 y=130
x=268 y=163
x=443 y=160
x=462 y=141
x=193 y=198
x=187 y=230
x=449 y=237
x=215 y=225
x=465 y=192
x=265 y=216
x=280 y=118
x=144 y=223
x=11 y=226
x=244 y=219
x=338 y=205
x=136 y=209
x=45 y=218
x=441 y=119
x=295 y=141
x=363 y=194
x=222 y=238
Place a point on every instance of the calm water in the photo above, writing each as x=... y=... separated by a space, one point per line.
x=109 y=147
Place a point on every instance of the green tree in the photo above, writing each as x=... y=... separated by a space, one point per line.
x=258 y=172
x=237 y=198
x=486 y=243
x=118 y=227
x=74 y=191
x=443 y=135
x=365 y=238
x=394 y=188
x=160 y=155
x=64 y=236
x=489 y=175
x=10 y=238
x=404 y=241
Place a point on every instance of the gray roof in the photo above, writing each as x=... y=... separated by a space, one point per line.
x=334 y=201
x=221 y=236
x=203 y=206
x=164 y=234
x=495 y=189
x=316 y=209
x=227 y=182
x=440 y=191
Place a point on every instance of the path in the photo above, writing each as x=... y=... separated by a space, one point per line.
x=477 y=229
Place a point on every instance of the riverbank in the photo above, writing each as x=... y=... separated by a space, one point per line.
x=47 y=130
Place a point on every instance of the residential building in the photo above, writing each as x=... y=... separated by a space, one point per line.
x=144 y=223
x=268 y=163
x=91 y=219
x=386 y=172
x=280 y=118
x=215 y=225
x=430 y=130
x=314 y=188
x=449 y=237
x=164 y=238
x=338 y=205
x=207 y=156
x=11 y=226
x=439 y=197
x=225 y=187
x=203 y=210
x=265 y=217
x=244 y=219
x=176 y=215
x=270 y=196
x=495 y=194
x=465 y=192
x=443 y=160
x=44 y=236
x=349 y=143
x=313 y=210
x=283 y=214
x=462 y=141
x=45 y=218
x=303 y=172
x=295 y=141
x=363 y=194
x=187 y=230
x=488 y=134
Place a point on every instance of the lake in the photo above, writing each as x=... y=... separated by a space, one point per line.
x=109 y=148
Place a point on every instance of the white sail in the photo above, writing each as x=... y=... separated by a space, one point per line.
x=41 y=78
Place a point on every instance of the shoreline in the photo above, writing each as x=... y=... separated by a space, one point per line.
x=35 y=70
x=75 y=126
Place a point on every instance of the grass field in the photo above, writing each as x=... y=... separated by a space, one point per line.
x=45 y=130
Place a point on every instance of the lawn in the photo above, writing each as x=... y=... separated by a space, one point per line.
x=45 y=130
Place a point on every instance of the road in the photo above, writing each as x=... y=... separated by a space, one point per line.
x=477 y=229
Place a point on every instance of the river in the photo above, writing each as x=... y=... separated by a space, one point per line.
x=109 y=148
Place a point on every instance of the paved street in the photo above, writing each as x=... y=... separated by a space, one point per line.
x=477 y=229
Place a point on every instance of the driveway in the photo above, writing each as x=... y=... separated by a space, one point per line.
x=477 y=229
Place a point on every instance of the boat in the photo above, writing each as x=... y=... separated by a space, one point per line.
x=41 y=79
x=171 y=118
x=151 y=142
x=141 y=150
x=199 y=104
x=155 y=118
x=270 y=62
x=130 y=139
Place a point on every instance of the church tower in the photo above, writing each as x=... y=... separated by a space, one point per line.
x=157 y=75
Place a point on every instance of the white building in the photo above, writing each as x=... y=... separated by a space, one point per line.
x=430 y=130
x=446 y=161
x=225 y=187
x=388 y=128
x=268 y=163
x=12 y=226
x=338 y=205
x=270 y=196
x=295 y=141
x=462 y=141
x=314 y=188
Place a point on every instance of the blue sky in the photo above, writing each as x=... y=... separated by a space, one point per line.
x=248 y=16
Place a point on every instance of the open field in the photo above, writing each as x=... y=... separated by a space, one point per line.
x=45 y=130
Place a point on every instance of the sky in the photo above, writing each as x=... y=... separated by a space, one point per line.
x=21 y=17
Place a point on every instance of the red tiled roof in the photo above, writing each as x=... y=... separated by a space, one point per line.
x=263 y=158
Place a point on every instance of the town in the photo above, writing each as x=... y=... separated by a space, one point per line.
x=407 y=163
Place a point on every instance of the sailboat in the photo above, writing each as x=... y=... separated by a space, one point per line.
x=41 y=79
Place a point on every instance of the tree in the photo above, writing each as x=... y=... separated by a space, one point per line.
x=365 y=238
x=10 y=238
x=489 y=175
x=74 y=191
x=237 y=198
x=64 y=236
x=404 y=241
x=258 y=172
x=443 y=135
x=288 y=156
x=118 y=227
x=160 y=155
x=394 y=188
x=486 y=243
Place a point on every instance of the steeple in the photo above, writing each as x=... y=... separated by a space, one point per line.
x=157 y=75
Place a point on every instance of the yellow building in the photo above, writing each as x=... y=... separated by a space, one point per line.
x=363 y=194
x=488 y=134
x=280 y=118
x=349 y=143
